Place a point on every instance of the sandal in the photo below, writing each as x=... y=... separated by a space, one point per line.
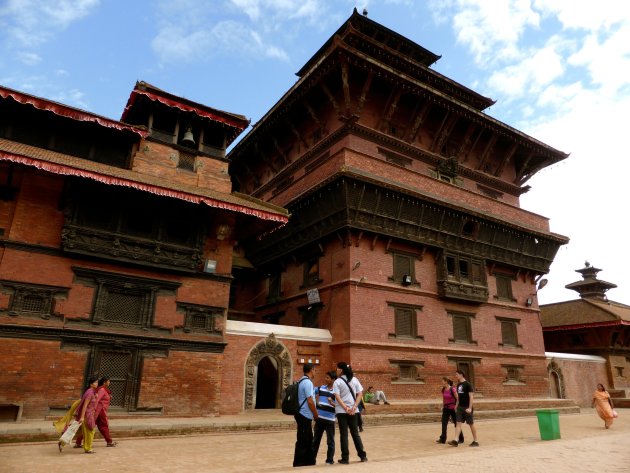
x=89 y=451
x=113 y=444
x=60 y=445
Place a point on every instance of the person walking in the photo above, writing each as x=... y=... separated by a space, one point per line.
x=449 y=401
x=103 y=399
x=464 y=409
x=326 y=417
x=303 y=454
x=86 y=414
x=603 y=405
x=348 y=393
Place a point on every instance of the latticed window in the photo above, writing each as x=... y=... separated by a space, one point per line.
x=123 y=308
x=407 y=373
x=513 y=373
x=33 y=303
x=30 y=299
x=509 y=334
x=464 y=269
x=186 y=161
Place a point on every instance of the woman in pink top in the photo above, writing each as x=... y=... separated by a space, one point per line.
x=449 y=400
x=103 y=398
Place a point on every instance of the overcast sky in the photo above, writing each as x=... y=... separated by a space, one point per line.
x=558 y=69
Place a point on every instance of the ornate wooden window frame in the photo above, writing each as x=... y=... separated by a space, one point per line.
x=21 y=293
x=211 y=318
x=106 y=282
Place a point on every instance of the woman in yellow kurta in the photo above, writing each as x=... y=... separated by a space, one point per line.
x=86 y=414
x=603 y=404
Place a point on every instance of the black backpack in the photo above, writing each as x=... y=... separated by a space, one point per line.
x=290 y=403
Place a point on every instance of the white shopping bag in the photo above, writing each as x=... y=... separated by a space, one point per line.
x=70 y=432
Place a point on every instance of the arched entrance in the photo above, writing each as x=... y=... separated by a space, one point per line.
x=267 y=373
x=556 y=381
x=266 y=383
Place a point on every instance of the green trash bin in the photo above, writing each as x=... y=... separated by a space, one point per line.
x=548 y=424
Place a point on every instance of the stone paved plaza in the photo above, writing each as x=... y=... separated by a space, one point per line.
x=507 y=446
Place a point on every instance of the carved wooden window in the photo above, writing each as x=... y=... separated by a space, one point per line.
x=31 y=299
x=404 y=269
x=465 y=269
x=504 y=286
x=311 y=272
x=462 y=327
x=513 y=374
x=407 y=371
x=121 y=299
x=200 y=318
x=274 y=318
x=405 y=321
x=509 y=332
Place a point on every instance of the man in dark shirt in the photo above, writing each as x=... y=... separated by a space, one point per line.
x=464 y=408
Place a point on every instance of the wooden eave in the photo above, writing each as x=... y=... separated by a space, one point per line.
x=359 y=174
x=63 y=164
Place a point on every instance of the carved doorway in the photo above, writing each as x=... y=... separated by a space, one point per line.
x=556 y=381
x=267 y=372
x=267 y=384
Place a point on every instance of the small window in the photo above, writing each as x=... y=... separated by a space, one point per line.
x=504 y=287
x=310 y=316
x=405 y=322
x=513 y=374
x=186 y=161
x=407 y=373
x=275 y=281
x=619 y=370
x=404 y=271
x=509 y=334
x=311 y=272
x=462 y=328
x=274 y=318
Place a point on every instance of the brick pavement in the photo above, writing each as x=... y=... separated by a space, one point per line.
x=507 y=446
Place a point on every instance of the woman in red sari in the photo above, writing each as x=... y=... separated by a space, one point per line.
x=603 y=405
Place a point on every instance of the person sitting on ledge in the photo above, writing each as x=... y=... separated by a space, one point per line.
x=374 y=397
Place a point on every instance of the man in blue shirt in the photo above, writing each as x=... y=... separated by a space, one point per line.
x=326 y=420
x=303 y=455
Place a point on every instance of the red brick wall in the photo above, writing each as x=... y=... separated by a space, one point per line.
x=580 y=378
x=38 y=374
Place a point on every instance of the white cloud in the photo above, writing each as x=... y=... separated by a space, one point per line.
x=32 y=22
x=29 y=58
x=174 y=44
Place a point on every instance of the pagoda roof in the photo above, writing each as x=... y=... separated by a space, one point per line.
x=143 y=89
x=583 y=313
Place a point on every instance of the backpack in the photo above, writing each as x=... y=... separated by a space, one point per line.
x=290 y=402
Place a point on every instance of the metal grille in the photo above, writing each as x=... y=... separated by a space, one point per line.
x=123 y=308
x=32 y=303
x=116 y=365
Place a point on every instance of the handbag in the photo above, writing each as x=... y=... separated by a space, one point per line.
x=70 y=432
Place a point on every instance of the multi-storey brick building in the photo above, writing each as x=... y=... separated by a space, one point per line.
x=117 y=251
x=406 y=239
